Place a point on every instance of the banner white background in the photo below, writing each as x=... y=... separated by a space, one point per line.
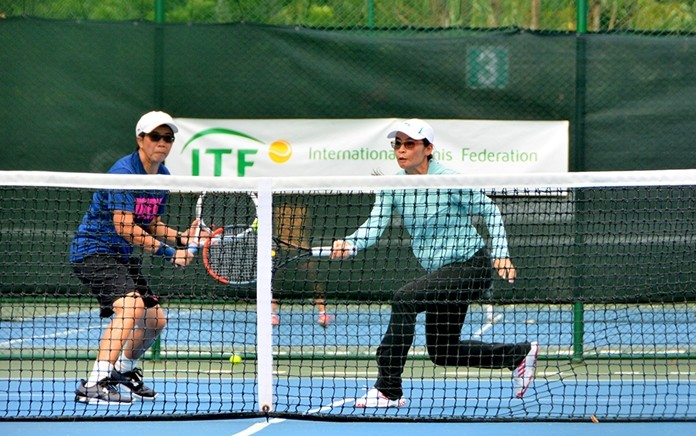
x=346 y=147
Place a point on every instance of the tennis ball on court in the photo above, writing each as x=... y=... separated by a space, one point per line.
x=235 y=359
x=280 y=151
x=255 y=225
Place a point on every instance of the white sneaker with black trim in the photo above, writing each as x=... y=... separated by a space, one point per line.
x=374 y=398
x=104 y=392
x=133 y=382
x=523 y=375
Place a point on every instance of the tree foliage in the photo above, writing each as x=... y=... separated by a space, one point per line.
x=640 y=15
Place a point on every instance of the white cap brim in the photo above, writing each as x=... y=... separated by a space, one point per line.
x=152 y=120
x=414 y=129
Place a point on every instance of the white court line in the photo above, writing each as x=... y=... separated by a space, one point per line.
x=258 y=427
x=53 y=335
x=484 y=328
x=489 y=313
x=261 y=425
x=57 y=334
x=330 y=406
x=55 y=315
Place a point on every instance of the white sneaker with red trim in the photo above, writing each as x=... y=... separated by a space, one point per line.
x=374 y=398
x=523 y=375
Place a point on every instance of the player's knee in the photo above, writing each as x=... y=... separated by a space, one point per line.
x=439 y=355
x=403 y=304
x=438 y=358
x=158 y=323
x=402 y=298
x=156 y=319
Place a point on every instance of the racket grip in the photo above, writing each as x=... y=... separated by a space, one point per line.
x=326 y=251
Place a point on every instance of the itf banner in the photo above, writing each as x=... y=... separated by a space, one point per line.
x=352 y=147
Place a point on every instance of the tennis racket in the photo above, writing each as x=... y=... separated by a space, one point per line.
x=195 y=243
x=229 y=255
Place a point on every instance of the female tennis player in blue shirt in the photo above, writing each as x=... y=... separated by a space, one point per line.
x=101 y=255
x=458 y=270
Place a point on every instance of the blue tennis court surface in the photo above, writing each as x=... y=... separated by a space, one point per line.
x=319 y=373
x=462 y=399
x=609 y=330
x=284 y=427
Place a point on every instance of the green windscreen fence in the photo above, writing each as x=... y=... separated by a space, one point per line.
x=72 y=90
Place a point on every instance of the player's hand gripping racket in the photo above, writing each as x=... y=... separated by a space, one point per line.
x=229 y=255
x=195 y=240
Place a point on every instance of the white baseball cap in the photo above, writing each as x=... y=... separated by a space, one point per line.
x=151 y=120
x=415 y=129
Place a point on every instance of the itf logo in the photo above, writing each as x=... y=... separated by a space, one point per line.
x=280 y=151
x=224 y=149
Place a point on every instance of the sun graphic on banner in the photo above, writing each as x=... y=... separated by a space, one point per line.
x=280 y=151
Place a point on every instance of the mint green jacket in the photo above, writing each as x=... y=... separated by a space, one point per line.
x=438 y=220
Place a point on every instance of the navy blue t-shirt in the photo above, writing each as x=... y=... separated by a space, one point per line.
x=97 y=234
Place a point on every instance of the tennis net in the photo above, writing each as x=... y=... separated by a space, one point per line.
x=605 y=265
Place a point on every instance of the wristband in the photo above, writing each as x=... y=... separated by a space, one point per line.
x=166 y=251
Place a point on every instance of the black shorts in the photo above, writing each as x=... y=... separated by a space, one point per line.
x=109 y=278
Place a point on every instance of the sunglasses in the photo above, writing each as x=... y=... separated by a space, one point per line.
x=155 y=137
x=408 y=145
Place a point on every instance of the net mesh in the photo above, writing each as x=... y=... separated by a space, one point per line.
x=235 y=259
x=605 y=265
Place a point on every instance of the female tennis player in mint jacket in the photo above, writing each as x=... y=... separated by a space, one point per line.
x=458 y=269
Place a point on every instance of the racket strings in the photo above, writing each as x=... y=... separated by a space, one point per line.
x=220 y=209
x=233 y=258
